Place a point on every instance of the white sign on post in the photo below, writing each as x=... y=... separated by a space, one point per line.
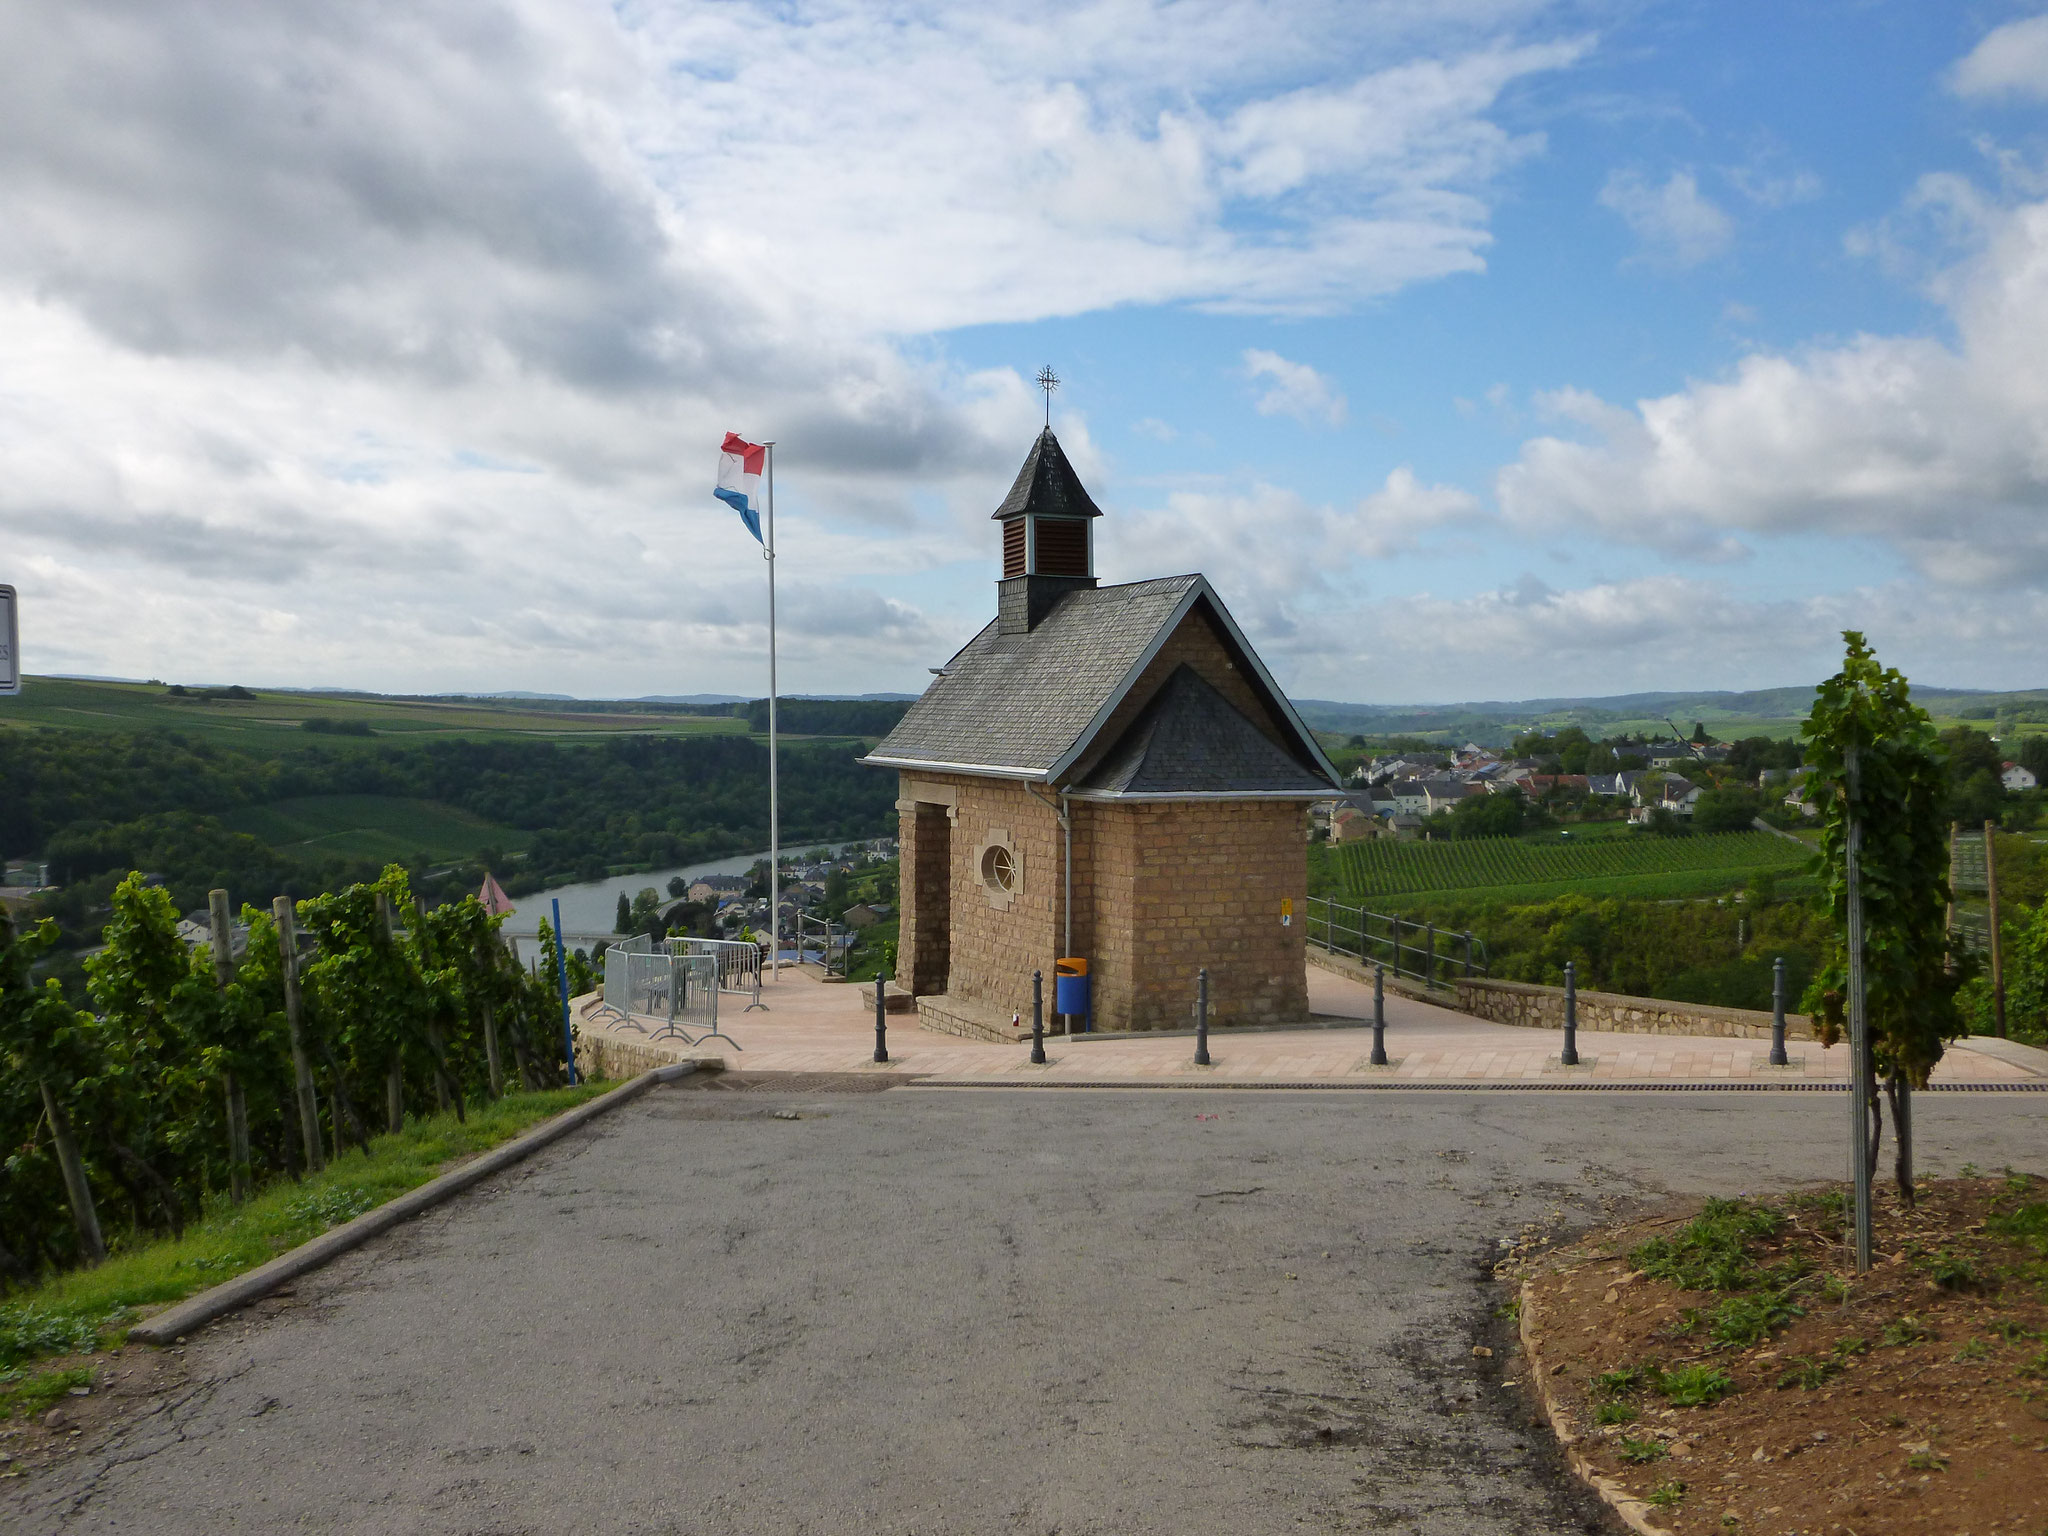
x=10 y=644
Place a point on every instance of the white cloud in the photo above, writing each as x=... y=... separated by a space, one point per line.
x=1293 y=389
x=1277 y=557
x=402 y=331
x=1017 y=161
x=2011 y=60
x=1528 y=639
x=1937 y=451
x=1770 y=188
x=1152 y=427
x=1676 y=222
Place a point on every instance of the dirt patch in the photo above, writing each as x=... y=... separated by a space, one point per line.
x=1727 y=1367
x=123 y=1385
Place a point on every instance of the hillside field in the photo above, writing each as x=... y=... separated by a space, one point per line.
x=1378 y=874
x=384 y=828
x=274 y=721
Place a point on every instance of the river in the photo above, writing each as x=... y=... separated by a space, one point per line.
x=591 y=909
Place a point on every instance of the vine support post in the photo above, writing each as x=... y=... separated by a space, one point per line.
x=76 y=1186
x=222 y=937
x=394 y=1076
x=1860 y=1152
x=489 y=1021
x=1997 y=949
x=302 y=1069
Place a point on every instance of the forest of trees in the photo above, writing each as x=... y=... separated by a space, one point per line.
x=98 y=805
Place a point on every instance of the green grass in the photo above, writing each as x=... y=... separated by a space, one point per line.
x=380 y=827
x=28 y=1393
x=275 y=720
x=74 y=1311
x=1514 y=869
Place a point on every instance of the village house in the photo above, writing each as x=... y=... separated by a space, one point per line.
x=2017 y=778
x=1103 y=773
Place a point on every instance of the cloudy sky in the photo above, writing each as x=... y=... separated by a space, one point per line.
x=1474 y=348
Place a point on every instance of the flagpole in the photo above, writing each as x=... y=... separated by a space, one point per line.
x=774 y=791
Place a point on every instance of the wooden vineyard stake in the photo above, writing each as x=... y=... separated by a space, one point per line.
x=394 y=1080
x=302 y=1069
x=485 y=952
x=231 y=1082
x=76 y=1185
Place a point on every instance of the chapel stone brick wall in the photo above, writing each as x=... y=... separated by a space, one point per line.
x=996 y=947
x=1187 y=884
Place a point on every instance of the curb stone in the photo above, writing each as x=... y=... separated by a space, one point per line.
x=1635 y=1512
x=194 y=1312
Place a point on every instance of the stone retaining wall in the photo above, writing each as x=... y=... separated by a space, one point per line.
x=603 y=1055
x=1534 y=1007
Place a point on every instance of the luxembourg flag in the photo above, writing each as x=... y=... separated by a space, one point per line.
x=739 y=480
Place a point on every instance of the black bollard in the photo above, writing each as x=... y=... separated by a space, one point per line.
x=1778 y=1056
x=1379 y=1015
x=1202 y=1017
x=881 y=1023
x=1570 y=1055
x=1038 y=1018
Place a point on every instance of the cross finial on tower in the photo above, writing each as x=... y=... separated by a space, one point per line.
x=1048 y=381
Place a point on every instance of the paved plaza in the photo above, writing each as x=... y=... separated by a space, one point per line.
x=815 y=1026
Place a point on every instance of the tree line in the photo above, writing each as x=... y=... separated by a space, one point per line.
x=95 y=805
x=194 y=1077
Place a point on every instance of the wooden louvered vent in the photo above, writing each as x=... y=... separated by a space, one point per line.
x=1062 y=547
x=1013 y=547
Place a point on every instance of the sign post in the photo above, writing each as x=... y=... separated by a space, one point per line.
x=10 y=644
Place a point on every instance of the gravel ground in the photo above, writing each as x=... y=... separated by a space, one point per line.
x=921 y=1311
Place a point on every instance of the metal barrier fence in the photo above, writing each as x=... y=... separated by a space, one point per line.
x=738 y=965
x=1410 y=949
x=679 y=992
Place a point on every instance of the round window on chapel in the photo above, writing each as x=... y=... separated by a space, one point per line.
x=999 y=870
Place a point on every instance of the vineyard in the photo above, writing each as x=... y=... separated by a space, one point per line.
x=1649 y=866
x=195 y=1078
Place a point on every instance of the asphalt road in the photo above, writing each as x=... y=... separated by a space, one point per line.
x=931 y=1312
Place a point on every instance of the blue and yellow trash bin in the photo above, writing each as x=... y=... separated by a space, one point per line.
x=1070 y=989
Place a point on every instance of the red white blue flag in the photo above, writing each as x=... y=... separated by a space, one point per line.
x=739 y=479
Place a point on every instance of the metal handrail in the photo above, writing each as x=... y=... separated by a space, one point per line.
x=1349 y=931
x=835 y=944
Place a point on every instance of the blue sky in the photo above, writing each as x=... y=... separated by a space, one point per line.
x=1473 y=348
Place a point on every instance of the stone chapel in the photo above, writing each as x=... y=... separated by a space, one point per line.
x=1102 y=772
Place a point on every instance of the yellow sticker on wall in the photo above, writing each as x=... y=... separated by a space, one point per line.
x=1286 y=911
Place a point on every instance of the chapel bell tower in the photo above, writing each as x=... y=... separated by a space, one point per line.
x=1048 y=537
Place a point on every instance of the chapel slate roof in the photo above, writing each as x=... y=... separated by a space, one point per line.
x=1191 y=740
x=1019 y=701
x=1047 y=486
x=1029 y=704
